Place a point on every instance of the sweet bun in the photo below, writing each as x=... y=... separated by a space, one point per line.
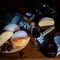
x=11 y=27
x=46 y=21
x=5 y=36
x=20 y=38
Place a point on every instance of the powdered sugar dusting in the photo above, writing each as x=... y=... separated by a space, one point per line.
x=19 y=34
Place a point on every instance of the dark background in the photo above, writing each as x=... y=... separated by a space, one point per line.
x=30 y=3
x=18 y=3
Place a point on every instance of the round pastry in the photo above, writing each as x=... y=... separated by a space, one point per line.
x=46 y=21
x=5 y=36
x=11 y=27
x=20 y=39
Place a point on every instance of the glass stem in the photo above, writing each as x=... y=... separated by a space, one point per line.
x=35 y=43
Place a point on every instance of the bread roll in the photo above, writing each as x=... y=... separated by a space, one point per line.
x=20 y=38
x=11 y=27
x=5 y=36
x=20 y=41
x=46 y=21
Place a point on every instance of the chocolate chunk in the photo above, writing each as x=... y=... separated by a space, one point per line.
x=6 y=47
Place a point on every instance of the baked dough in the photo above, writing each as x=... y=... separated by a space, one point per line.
x=5 y=36
x=46 y=21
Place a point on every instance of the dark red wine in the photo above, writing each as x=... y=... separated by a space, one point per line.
x=35 y=33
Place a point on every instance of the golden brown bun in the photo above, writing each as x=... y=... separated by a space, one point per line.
x=20 y=41
x=5 y=36
x=46 y=21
